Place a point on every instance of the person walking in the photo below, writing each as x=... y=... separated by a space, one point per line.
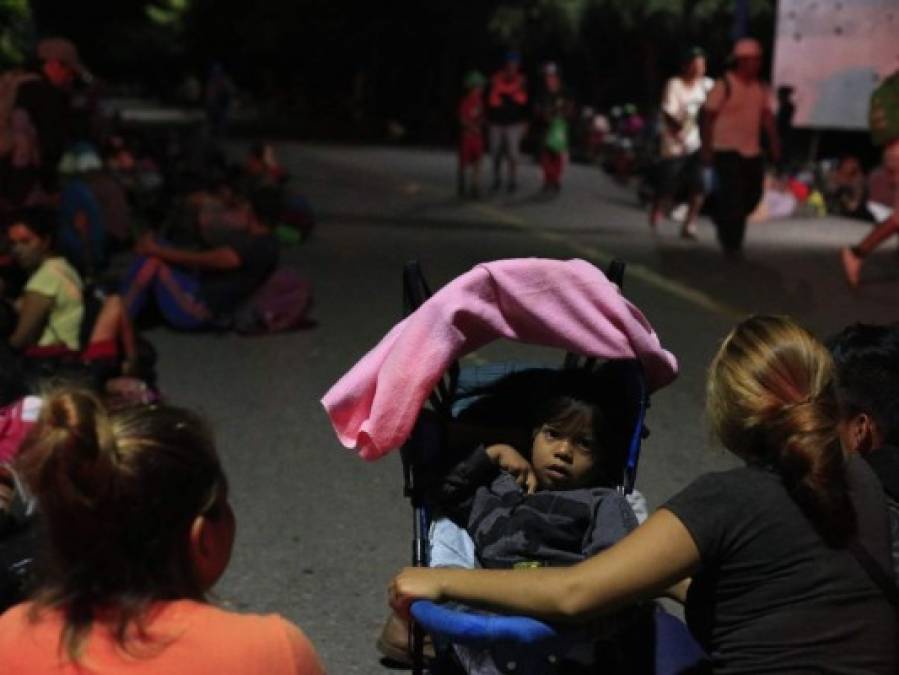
x=736 y=110
x=553 y=111
x=507 y=115
x=680 y=168
x=883 y=186
x=471 y=135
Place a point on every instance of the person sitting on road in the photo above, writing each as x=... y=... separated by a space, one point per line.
x=846 y=190
x=867 y=385
x=196 y=289
x=138 y=528
x=51 y=309
x=884 y=192
x=773 y=548
x=547 y=495
x=263 y=167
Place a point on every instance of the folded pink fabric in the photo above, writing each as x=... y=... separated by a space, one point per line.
x=565 y=304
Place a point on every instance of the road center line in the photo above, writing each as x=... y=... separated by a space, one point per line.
x=645 y=274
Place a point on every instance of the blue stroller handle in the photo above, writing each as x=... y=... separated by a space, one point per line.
x=476 y=629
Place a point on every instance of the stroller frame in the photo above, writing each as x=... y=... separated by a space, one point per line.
x=416 y=291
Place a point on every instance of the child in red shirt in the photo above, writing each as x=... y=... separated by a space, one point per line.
x=471 y=137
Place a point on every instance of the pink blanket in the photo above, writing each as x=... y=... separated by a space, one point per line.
x=565 y=304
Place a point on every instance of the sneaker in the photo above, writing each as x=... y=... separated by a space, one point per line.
x=689 y=232
x=852 y=267
x=394 y=642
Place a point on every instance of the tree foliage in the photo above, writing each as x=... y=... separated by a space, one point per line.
x=15 y=30
x=357 y=62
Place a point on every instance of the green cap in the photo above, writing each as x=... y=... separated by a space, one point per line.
x=474 y=79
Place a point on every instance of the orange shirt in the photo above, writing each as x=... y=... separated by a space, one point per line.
x=194 y=639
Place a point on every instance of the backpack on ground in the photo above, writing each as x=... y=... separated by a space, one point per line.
x=282 y=303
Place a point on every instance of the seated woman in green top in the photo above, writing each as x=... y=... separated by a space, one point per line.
x=51 y=309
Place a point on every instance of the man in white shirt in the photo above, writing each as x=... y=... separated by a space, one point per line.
x=680 y=169
x=737 y=108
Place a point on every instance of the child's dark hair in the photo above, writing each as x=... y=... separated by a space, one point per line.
x=565 y=399
x=866 y=359
x=118 y=492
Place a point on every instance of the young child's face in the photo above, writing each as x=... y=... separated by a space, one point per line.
x=563 y=461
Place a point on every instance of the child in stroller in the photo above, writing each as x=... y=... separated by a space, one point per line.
x=537 y=489
x=376 y=406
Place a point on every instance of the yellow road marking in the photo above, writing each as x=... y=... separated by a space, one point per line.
x=645 y=274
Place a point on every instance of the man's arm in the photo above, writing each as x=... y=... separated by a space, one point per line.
x=222 y=258
x=669 y=109
x=770 y=126
x=709 y=115
x=705 y=133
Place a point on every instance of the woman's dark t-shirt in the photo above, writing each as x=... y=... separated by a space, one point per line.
x=770 y=596
x=224 y=291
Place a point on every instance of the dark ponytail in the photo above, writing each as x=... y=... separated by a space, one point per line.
x=118 y=492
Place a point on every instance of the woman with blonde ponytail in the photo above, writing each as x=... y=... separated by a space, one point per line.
x=135 y=508
x=764 y=556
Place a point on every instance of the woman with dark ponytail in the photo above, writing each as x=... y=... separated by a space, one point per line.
x=766 y=556
x=135 y=508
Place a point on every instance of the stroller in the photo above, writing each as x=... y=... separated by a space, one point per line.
x=516 y=299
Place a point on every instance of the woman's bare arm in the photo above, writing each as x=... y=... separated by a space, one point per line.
x=657 y=555
x=34 y=309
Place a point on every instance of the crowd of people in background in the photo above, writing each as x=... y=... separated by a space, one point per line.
x=103 y=225
x=97 y=211
x=703 y=127
x=107 y=228
x=723 y=146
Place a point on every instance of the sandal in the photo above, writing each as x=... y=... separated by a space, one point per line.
x=393 y=642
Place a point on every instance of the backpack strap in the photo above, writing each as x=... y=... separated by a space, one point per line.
x=877 y=574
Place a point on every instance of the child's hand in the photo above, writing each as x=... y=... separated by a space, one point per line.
x=509 y=459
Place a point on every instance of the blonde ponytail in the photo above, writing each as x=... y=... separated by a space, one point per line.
x=770 y=400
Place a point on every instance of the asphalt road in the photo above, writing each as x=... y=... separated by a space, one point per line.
x=320 y=530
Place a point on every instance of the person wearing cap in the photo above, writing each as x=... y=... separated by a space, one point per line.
x=737 y=108
x=471 y=134
x=680 y=168
x=47 y=100
x=507 y=115
x=553 y=110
